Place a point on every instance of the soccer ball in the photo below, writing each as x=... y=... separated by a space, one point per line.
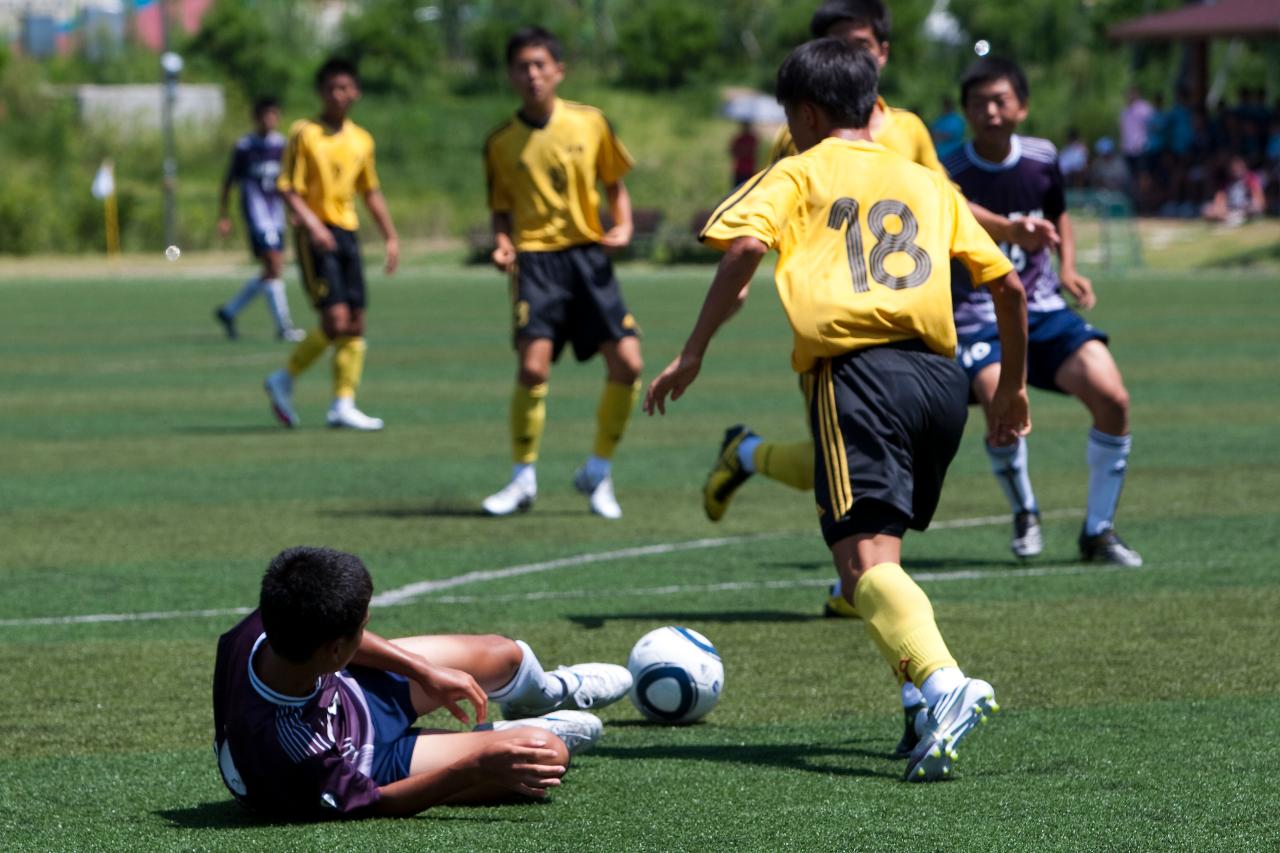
x=678 y=675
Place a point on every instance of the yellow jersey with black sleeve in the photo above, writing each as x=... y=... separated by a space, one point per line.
x=900 y=131
x=546 y=176
x=865 y=241
x=328 y=167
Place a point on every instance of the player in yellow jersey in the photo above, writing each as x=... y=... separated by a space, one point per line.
x=864 y=241
x=329 y=159
x=543 y=167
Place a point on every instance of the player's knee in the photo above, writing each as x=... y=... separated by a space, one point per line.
x=531 y=375
x=551 y=739
x=504 y=654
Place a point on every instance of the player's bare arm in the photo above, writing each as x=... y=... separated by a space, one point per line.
x=1010 y=415
x=449 y=687
x=224 y=205
x=619 y=236
x=316 y=229
x=377 y=204
x=1080 y=288
x=526 y=766
x=504 y=252
x=726 y=295
x=1030 y=234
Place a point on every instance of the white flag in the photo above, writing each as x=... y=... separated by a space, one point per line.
x=104 y=183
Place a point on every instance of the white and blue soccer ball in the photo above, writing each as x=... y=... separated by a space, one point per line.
x=677 y=675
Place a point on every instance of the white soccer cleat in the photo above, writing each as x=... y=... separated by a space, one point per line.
x=516 y=496
x=578 y=729
x=1027 y=539
x=279 y=388
x=586 y=685
x=949 y=720
x=600 y=495
x=349 y=417
x=291 y=335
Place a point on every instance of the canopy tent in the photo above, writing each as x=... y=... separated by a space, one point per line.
x=1258 y=19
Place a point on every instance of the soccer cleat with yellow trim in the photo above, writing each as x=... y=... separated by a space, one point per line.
x=726 y=475
x=836 y=607
x=954 y=715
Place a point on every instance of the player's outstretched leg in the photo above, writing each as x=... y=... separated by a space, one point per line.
x=899 y=618
x=732 y=468
x=532 y=691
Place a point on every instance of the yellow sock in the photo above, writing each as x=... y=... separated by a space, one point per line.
x=899 y=618
x=348 y=366
x=307 y=351
x=616 y=403
x=528 y=417
x=787 y=463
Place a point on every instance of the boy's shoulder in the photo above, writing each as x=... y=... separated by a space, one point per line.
x=1038 y=149
x=508 y=126
x=585 y=113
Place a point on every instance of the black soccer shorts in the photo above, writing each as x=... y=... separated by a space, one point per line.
x=331 y=278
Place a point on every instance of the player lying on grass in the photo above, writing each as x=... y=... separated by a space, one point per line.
x=1018 y=176
x=314 y=715
x=328 y=161
x=864 y=240
x=254 y=169
x=543 y=167
x=864 y=24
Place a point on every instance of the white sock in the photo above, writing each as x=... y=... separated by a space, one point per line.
x=1009 y=464
x=525 y=474
x=597 y=468
x=1108 y=457
x=342 y=404
x=531 y=688
x=942 y=682
x=911 y=695
x=747 y=453
x=236 y=304
x=278 y=304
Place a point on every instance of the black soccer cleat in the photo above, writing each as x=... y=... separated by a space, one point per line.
x=227 y=321
x=726 y=475
x=1108 y=547
x=1027 y=540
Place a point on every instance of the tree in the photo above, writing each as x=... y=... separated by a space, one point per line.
x=663 y=43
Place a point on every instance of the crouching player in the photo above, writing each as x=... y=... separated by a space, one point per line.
x=313 y=715
x=864 y=239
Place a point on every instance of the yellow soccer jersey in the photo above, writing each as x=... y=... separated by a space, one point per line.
x=865 y=241
x=546 y=177
x=902 y=131
x=327 y=168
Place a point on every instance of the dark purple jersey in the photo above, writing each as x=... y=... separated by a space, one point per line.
x=255 y=167
x=1028 y=183
x=303 y=756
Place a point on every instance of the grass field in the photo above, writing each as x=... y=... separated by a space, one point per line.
x=142 y=474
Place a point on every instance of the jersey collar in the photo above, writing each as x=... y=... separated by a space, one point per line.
x=1015 y=154
x=274 y=696
x=532 y=125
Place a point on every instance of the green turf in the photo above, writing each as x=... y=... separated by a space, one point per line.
x=142 y=473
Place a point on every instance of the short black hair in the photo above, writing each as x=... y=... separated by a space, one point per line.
x=313 y=596
x=332 y=67
x=831 y=12
x=264 y=103
x=830 y=74
x=534 y=37
x=988 y=69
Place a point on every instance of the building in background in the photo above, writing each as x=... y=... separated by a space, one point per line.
x=98 y=28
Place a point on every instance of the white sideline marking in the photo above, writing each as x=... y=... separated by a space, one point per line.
x=409 y=592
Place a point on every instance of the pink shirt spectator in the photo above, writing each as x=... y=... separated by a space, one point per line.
x=1133 y=126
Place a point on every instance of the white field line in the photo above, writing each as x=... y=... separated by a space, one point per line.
x=410 y=592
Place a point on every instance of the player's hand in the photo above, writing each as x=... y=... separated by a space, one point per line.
x=527 y=766
x=1033 y=234
x=672 y=383
x=618 y=237
x=224 y=227
x=1010 y=416
x=1080 y=288
x=503 y=258
x=451 y=687
x=322 y=238
x=393 y=255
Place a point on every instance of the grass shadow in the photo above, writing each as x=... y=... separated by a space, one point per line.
x=229 y=429
x=687 y=617
x=220 y=814
x=440 y=509
x=809 y=758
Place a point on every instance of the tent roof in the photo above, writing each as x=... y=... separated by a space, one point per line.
x=1221 y=19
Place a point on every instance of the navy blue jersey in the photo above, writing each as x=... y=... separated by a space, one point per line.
x=1028 y=183
x=255 y=167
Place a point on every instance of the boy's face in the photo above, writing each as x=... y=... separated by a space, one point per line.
x=535 y=74
x=338 y=93
x=268 y=120
x=860 y=35
x=994 y=110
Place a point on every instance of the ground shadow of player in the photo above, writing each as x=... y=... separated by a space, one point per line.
x=935 y=564
x=438 y=509
x=228 y=429
x=228 y=814
x=693 y=617
x=810 y=758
